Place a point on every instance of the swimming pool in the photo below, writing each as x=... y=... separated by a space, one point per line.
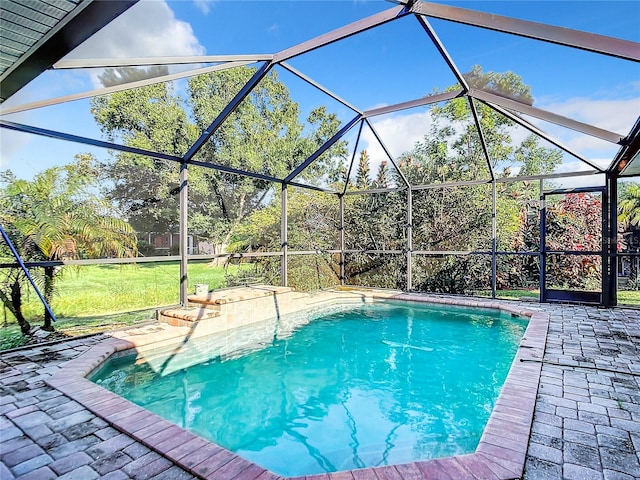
x=352 y=387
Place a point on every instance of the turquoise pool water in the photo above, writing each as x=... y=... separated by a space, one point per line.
x=350 y=387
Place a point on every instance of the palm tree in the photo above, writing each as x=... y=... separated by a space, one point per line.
x=628 y=217
x=629 y=206
x=60 y=213
x=14 y=278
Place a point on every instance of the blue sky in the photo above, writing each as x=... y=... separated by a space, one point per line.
x=389 y=64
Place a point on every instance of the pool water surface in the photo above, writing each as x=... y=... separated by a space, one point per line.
x=350 y=387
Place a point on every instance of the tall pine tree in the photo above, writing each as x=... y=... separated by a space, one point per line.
x=362 y=176
x=382 y=176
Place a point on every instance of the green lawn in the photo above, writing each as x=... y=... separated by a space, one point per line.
x=625 y=297
x=105 y=289
x=510 y=294
x=628 y=297
x=103 y=297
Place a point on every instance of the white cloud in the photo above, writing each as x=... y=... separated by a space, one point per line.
x=399 y=133
x=576 y=182
x=571 y=164
x=518 y=134
x=617 y=115
x=148 y=29
x=203 y=5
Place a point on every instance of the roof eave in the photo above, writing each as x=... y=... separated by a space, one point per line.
x=82 y=22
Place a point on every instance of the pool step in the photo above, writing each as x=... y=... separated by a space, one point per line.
x=236 y=294
x=210 y=305
x=186 y=317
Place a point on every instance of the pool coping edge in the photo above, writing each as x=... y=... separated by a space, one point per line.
x=500 y=454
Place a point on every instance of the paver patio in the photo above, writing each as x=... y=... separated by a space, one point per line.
x=586 y=423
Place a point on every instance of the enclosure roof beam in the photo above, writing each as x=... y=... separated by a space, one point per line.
x=462 y=183
x=483 y=141
x=614 y=47
x=342 y=32
x=469 y=183
x=256 y=175
x=443 y=52
x=353 y=159
x=234 y=171
x=428 y=100
x=548 y=176
x=328 y=144
x=149 y=61
x=525 y=109
x=376 y=190
x=147 y=153
x=311 y=81
x=43 y=132
x=537 y=131
x=231 y=106
x=5 y=110
x=312 y=187
x=560 y=191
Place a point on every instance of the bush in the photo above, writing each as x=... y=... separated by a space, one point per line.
x=145 y=249
x=453 y=275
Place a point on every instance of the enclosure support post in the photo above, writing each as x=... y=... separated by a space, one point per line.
x=543 y=244
x=610 y=244
x=25 y=270
x=284 y=238
x=494 y=238
x=183 y=234
x=342 y=240
x=409 y=239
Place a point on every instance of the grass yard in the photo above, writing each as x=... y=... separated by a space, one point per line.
x=628 y=297
x=625 y=297
x=510 y=294
x=95 y=298
x=105 y=289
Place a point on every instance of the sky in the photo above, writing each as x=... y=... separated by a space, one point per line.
x=390 y=64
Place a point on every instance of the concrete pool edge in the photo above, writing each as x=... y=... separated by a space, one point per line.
x=500 y=455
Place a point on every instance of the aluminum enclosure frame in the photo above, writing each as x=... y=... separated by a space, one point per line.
x=422 y=11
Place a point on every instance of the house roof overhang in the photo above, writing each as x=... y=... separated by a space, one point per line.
x=627 y=160
x=36 y=36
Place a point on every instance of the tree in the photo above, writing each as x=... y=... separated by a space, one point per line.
x=363 y=173
x=14 y=279
x=629 y=224
x=312 y=226
x=144 y=189
x=263 y=135
x=459 y=218
x=507 y=158
x=629 y=206
x=506 y=84
x=382 y=177
x=59 y=216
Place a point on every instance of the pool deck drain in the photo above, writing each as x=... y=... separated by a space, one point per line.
x=56 y=424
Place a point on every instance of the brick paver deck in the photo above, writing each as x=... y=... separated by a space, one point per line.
x=586 y=422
